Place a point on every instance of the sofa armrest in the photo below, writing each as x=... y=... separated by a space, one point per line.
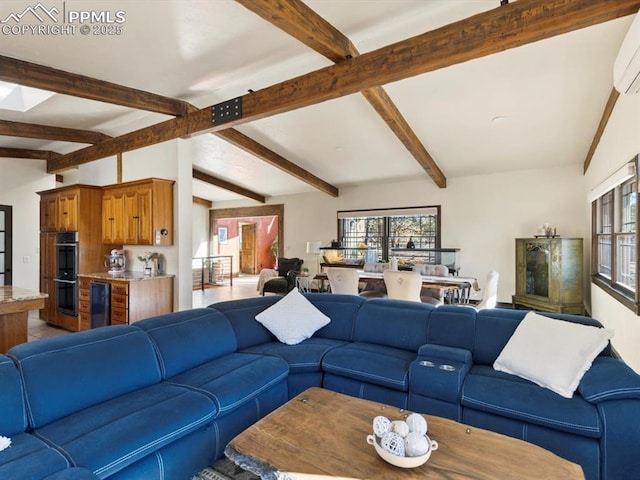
x=609 y=379
x=438 y=372
x=440 y=352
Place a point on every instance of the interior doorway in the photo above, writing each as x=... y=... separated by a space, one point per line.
x=268 y=221
x=248 y=248
x=6 y=248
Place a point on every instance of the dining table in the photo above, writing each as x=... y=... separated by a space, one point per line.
x=457 y=289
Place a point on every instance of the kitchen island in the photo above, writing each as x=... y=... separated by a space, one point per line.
x=15 y=303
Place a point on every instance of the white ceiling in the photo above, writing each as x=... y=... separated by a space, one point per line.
x=551 y=93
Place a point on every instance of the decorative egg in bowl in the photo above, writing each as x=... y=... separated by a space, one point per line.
x=402 y=461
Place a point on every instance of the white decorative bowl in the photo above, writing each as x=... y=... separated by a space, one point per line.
x=403 y=462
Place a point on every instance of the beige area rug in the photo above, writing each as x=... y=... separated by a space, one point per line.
x=224 y=469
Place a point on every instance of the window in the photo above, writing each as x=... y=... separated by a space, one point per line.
x=389 y=228
x=614 y=237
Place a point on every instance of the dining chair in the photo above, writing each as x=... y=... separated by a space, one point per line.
x=375 y=289
x=343 y=280
x=430 y=295
x=490 y=294
x=403 y=285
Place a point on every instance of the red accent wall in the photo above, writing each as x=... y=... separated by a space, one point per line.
x=266 y=232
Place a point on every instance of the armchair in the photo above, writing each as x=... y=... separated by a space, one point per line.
x=288 y=268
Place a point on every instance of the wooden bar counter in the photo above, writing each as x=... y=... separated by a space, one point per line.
x=15 y=303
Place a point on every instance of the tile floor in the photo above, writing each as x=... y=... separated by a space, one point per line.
x=243 y=287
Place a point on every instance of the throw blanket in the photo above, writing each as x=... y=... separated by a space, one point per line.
x=265 y=274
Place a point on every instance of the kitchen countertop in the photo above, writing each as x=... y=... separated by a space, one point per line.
x=124 y=276
x=9 y=294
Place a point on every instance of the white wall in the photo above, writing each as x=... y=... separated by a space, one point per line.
x=19 y=182
x=481 y=215
x=619 y=144
x=199 y=231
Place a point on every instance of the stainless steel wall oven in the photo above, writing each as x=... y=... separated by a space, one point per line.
x=67 y=274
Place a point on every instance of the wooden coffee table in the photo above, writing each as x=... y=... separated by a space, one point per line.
x=323 y=433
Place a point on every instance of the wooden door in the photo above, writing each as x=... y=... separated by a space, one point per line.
x=248 y=249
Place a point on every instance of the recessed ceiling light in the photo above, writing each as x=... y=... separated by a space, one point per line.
x=499 y=119
x=20 y=98
x=339 y=149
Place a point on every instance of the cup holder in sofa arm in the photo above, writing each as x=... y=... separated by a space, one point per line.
x=435 y=380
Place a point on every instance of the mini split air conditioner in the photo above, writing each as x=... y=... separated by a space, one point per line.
x=626 y=69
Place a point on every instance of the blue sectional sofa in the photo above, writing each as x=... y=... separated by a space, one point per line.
x=161 y=398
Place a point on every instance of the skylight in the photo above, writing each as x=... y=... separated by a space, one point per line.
x=19 y=98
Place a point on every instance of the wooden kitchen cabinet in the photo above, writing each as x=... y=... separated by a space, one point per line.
x=84 y=303
x=68 y=212
x=47 y=274
x=133 y=297
x=73 y=208
x=112 y=218
x=139 y=299
x=49 y=213
x=142 y=210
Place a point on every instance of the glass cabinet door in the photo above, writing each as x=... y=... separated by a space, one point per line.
x=537 y=258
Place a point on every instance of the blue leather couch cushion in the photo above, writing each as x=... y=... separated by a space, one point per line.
x=371 y=363
x=393 y=323
x=513 y=397
x=452 y=326
x=66 y=374
x=242 y=315
x=341 y=309
x=189 y=338
x=110 y=436
x=235 y=379
x=73 y=473
x=609 y=379
x=29 y=457
x=302 y=358
x=13 y=418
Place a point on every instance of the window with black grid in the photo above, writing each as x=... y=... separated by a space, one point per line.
x=389 y=228
x=614 y=238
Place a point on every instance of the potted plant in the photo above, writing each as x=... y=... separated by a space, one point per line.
x=147 y=258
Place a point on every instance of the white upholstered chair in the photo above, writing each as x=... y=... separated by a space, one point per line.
x=403 y=285
x=343 y=280
x=430 y=295
x=490 y=294
x=375 y=289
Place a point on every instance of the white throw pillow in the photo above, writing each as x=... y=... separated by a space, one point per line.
x=554 y=354
x=293 y=318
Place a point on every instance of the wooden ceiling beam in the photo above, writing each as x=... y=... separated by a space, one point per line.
x=505 y=27
x=305 y=25
x=152 y=135
x=218 y=182
x=606 y=114
x=272 y=158
x=47 y=78
x=31 y=130
x=54 y=80
x=202 y=201
x=26 y=153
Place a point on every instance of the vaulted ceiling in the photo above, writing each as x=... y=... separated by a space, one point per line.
x=332 y=93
